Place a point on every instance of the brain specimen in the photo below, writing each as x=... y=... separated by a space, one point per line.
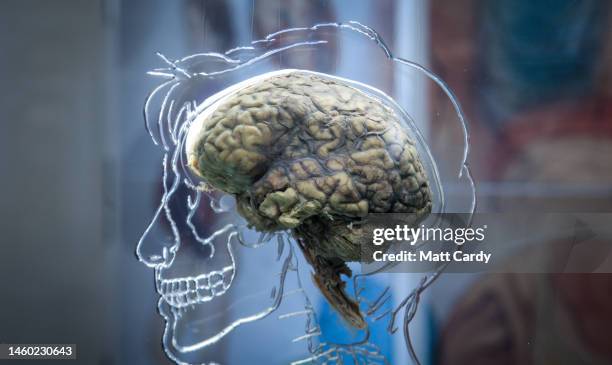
x=309 y=153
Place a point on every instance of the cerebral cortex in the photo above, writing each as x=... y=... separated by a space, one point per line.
x=314 y=155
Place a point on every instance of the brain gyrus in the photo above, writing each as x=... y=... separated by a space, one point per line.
x=309 y=153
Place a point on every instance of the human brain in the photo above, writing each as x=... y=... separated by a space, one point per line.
x=309 y=153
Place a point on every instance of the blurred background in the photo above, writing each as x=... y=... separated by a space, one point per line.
x=81 y=178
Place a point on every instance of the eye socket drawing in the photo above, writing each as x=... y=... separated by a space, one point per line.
x=266 y=165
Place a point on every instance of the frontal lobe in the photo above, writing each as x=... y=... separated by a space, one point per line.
x=300 y=149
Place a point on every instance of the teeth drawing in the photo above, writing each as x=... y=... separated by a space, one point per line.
x=187 y=291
